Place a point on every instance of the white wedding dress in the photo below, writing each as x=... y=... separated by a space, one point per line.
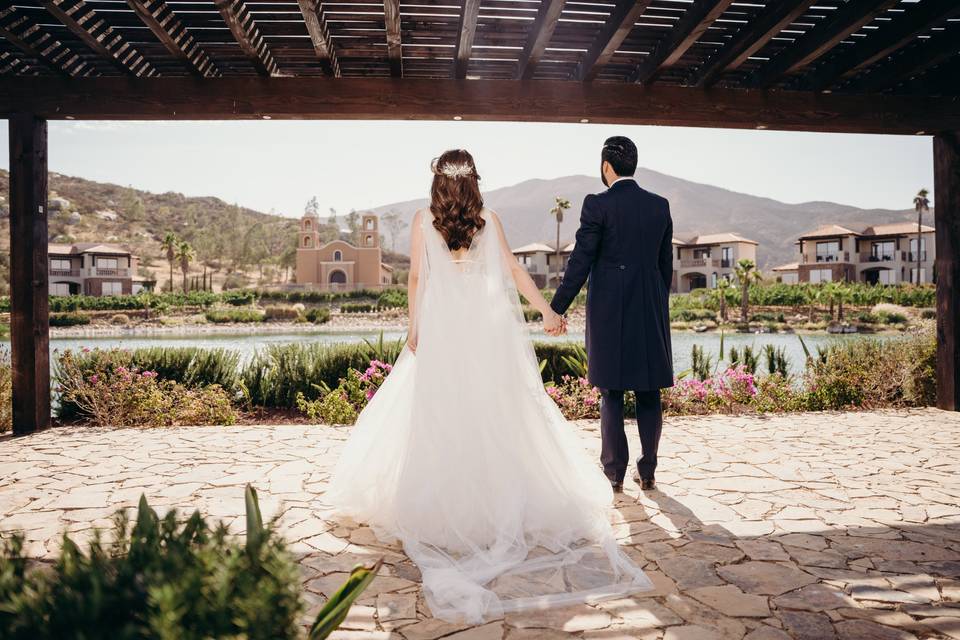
x=463 y=458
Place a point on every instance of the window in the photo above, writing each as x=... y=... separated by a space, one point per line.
x=828 y=251
x=886 y=276
x=306 y=225
x=369 y=224
x=61 y=264
x=913 y=249
x=337 y=256
x=111 y=288
x=307 y=242
x=726 y=257
x=713 y=280
x=369 y=240
x=821 y=275
x=59 y=289
x=699 y=254
x=913 y=276
x=107 y=263
x=882 y=251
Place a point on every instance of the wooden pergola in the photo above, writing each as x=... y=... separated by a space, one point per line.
x=858 y=66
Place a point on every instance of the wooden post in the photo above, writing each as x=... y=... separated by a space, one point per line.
x=29 y=303
x=946 y=178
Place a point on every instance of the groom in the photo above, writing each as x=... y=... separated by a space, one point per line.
x=624 y=246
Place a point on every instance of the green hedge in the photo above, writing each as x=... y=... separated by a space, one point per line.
x=68 y=319
x=234 y=315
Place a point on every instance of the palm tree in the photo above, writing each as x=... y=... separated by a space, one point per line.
x=842 y=293
x=921 y=203
x=169 y=247
x=723 y=285
x=831 y=291
x=185 y=255
x=561 y=205
x=746 y=272
x=811 y=295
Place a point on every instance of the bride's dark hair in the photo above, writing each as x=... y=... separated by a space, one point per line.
x=455 y=199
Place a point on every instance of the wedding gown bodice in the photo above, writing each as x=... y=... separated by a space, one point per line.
x=463 y=457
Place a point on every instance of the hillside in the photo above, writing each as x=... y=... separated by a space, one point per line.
x=231 y=241
x=696 y=208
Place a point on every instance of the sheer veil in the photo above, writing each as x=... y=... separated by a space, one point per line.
x=463 y=458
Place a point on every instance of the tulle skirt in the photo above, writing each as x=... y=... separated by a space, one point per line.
x=463 y=458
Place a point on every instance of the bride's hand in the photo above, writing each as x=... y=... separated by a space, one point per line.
x=553 y=324
x=412 y=343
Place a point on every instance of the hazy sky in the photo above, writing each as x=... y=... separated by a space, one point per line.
x=279 y=165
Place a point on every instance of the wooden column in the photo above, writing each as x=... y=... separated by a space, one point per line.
x=29 y=304
x=946 y=178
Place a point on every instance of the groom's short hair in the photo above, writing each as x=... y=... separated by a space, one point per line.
x=621 y=153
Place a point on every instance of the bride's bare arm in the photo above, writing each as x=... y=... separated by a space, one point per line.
x=525 y=284
x=416 y=252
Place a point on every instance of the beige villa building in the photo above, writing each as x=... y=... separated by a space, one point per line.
x=701 y=261
x=339 y=265
x=93 y=269
x=879 y=254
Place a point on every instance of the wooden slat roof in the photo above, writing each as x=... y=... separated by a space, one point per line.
x=847 y=46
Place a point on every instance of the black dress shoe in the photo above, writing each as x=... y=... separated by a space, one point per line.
x=616 y=486
x=646 y=484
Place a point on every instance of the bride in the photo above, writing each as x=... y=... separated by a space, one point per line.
x=461 y=455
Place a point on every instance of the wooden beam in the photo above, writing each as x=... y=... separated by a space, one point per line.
x=946 y=187
x=467 y=30
x=695 y=21
x=391 y=18
x=541 y=31
x=239 y=98
x=845 y=20
x=320 y=36
x=924 y=55
x=17 y=29
x=99 y=36
x=916 y=21
x=29 y=295
x=615 y=30
x=248 y=36
x=750 y=39
x=168 y=29
x=10 y=64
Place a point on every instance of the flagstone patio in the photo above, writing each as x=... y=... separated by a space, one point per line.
x=811 y=526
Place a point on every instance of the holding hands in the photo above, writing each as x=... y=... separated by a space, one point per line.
x=554 y=324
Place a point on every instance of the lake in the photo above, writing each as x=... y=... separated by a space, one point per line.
x=247 y=344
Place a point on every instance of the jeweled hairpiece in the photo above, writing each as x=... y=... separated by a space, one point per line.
x=455 y=170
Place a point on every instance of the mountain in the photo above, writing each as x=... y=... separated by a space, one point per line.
x=696 y=208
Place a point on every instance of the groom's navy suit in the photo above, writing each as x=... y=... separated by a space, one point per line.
x=624 y=245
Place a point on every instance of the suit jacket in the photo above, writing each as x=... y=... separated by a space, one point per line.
x=624 y=245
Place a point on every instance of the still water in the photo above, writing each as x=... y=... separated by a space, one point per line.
x=247 y=344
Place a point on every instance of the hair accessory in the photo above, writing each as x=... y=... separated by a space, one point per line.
x=455 y=171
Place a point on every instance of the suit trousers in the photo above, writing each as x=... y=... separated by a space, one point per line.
x=614 y=454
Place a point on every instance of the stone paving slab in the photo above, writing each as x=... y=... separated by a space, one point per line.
x=810 y=526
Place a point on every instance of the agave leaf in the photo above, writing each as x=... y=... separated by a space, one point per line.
x=803 y=344
x=255 y=531
x=335 y=610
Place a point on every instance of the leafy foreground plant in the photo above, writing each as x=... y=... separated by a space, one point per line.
x=166 y=580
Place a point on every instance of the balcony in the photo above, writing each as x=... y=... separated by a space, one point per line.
x=68 y=273
x=868 y=256
x=843 y=256
x=103 y=271
x=912 y=256
x=688 y=263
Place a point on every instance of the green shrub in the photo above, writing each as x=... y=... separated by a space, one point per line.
x=317 y=315
x=892 y=317
x=357 y=308
x=68 y=319
x=866 y=317
x=692 y=315
x=120 y=319
x=275 y=375
x=392 y=299
x=767 y=316
x=556 y=359
x=234 y=315
x=6 y=388
x=166 y=578
x=280 y=312
x=928 y=314
x=868 y=373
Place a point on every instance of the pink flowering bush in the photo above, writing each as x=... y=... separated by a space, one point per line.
x=374 y=376
x=119 y=395
x=576 y=397
x=728 y=391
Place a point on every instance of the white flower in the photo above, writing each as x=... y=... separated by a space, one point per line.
x=455 y=171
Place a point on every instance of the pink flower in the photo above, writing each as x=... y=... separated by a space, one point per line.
x=94 y=378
